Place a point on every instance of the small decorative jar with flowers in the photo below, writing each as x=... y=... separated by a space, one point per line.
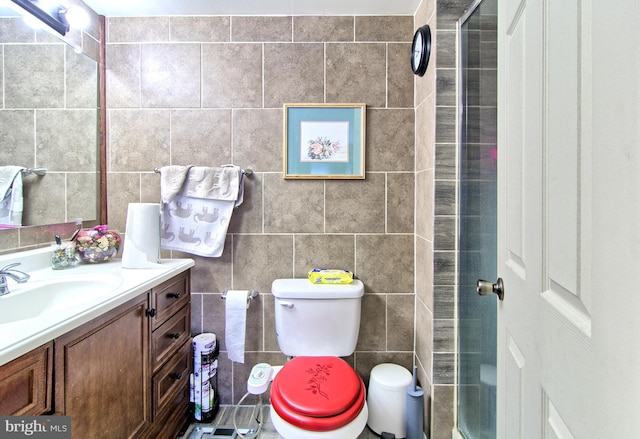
x=98 y=244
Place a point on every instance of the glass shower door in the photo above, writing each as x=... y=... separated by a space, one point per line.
x=477 y=228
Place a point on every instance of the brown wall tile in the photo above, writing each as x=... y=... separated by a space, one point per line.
x=232 y=75
x=293 y=206
x=399 y=76
x=385 y=263
x=18 y=143
x=384 y=28
x=373 y=328
x=201 y=137
x=424 y=337
x=323 y=251
x=400 y=203
x=400 y=322
x=258 y=139
x=82 y=204
x=170 y=75
x=139 y=140
x=356 y=73
x=424 y=204
x=390 y=140
x=355 y=206
x=66 y=140
x=200 y=29
x=293 y=73
x=322 y=29
x=27 y=91
x=46 y=200
x=260 y=259
x=260 y=29
x=137 y=29
x=123 y=75
x=124 y=188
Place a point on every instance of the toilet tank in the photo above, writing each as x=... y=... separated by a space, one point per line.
x=317 y=319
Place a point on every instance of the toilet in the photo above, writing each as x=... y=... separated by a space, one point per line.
x=317 y=394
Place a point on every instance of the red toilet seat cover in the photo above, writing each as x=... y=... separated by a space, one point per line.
x=317 y=393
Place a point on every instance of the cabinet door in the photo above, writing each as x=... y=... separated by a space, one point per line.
x=102 y=374
x=25 y=383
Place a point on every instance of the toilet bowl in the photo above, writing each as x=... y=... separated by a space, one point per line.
x=313 y=397
x=317 y=394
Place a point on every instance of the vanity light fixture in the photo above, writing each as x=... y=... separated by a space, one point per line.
x=77 y=17
x=55 y=18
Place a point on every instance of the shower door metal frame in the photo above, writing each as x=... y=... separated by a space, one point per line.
x=456 y=433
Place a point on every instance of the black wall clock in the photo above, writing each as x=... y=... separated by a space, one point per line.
x=420 y=50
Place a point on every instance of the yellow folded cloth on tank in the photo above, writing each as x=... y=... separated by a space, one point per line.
x=327 y=276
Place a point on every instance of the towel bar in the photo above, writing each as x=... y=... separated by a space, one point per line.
x=246 y=172
x=252 y=295
x=37 y=171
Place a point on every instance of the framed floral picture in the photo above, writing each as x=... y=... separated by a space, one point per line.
x=324 y=141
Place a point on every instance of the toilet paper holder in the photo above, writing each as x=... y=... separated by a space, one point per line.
x=252 y=295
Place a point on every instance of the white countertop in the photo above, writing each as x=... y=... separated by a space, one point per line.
x=20 y=337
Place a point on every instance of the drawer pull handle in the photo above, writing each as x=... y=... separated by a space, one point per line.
x=175 y=376
x=173 y=295
x=175 y=335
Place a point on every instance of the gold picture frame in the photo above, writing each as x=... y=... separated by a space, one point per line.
x=324 y=141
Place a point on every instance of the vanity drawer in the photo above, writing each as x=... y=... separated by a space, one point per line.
x=172 y=379
x=169 y=297
x=25 y=383
x=170 y=336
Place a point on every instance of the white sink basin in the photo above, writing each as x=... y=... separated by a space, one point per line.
x=37 y=298
x=54 y=302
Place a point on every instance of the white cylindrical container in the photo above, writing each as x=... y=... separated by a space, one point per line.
x=387 y=399
x=142 y=239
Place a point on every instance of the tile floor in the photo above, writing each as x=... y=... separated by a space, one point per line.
x=225 y=418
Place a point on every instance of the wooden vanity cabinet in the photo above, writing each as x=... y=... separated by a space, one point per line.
x=25 y=383
x=126 y=373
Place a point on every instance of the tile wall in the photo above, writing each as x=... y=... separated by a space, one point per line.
x=209 y=91
x=425 y=97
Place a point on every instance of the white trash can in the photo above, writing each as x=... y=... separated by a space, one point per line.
x=386 y=399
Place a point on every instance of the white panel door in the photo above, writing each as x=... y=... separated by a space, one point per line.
x=569 y=219
x=520 y=222
x=544 y=334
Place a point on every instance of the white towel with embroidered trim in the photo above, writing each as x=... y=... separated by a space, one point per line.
x=197 y=206
x=11 y=199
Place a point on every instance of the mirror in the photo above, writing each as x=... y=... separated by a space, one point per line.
x=49 y=119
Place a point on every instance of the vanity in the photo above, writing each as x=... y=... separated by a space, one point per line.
x=106 y=345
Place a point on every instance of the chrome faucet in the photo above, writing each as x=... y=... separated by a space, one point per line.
x=17 y=275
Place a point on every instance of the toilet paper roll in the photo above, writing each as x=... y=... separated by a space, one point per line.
x=142 y=239
x=203 y=343
x=203 y=392
x=235 y=323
